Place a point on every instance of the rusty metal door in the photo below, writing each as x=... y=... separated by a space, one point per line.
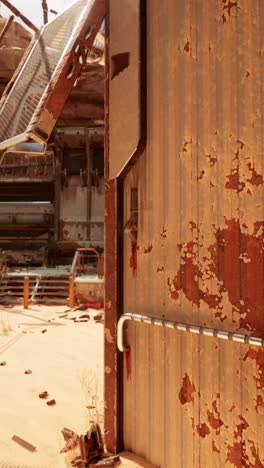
x=194 y=399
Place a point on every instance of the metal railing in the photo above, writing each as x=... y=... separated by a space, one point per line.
x=87 y=260
x=183 y=327
x=3 y=264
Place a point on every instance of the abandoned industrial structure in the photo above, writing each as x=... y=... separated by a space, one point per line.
x=131 y=138
x=52 y=202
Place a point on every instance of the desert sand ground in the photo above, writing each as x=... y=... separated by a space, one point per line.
x=66 y=360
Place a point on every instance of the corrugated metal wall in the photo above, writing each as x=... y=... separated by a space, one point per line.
x=193 y=401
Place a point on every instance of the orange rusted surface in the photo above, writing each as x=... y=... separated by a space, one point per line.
x=192 y=401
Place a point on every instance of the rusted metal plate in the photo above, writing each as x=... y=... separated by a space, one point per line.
x=124 y=83
x=191 y=401
x=31 y=107
x=111 y=417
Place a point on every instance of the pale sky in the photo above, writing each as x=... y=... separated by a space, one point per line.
x=32 y=9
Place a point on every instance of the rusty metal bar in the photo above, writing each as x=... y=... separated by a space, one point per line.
x=71 y=291
x=88 y=187
x=17 y=13
x=74 y=263
x=45 y=11
x=6 y=27
x=100 y=266
x=17 y=165
x=78 y=265
x=184 y=327
x=26 y=292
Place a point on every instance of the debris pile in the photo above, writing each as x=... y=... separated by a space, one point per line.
x=92 y=452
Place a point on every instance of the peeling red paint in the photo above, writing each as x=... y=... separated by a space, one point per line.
x=187 y=390
x=203 y=430
x=236 y=260
x=133 y=258
x=256 y=179
x=187 y=47
x=201 y=175
x=212 y=160
x=232 y=408
x=236 y=455
x=185 y=144
x=192 y=225
x=255 y=454
x=257 y=226
x=215 y=449
x=187 y=279
x=258 y=356
x=241 y=144
x=163 y=234
x=160 y=269
x=238 y=277
x=214 y=419
x=259 y=403
x=128 y=363
x=239 y=147
x=214 y=422
x=233 y=181
x=229 y=5
x=148 y=249
x=242 y=426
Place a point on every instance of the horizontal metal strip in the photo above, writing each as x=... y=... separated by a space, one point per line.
x=184 y=327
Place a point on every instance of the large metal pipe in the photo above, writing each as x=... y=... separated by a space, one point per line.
x=184 y=327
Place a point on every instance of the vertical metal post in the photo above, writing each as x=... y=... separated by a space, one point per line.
x=100 y=266
x=57 y=192
x=71 y=291
x=5 y=28
x=26 y=292
x=88 y=181
x=45 y=11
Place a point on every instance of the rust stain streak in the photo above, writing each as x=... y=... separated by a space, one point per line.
x=148 y=249
x=234 y=182
x=203 y=430
x=256 y=179
x=258 y=356
x=214 y=419
x=187 y=390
